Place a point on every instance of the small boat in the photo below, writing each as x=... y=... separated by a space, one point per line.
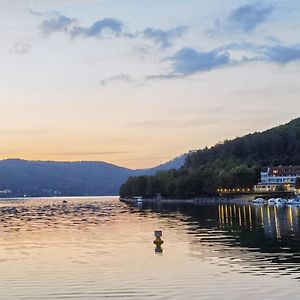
x=294 y=201
x=138 y=199
x=271 y=201
x=280 y=201
x=259 y=201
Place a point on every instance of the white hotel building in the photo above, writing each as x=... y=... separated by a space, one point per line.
x=273 y=177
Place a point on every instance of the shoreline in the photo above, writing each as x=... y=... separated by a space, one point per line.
x=198 y=200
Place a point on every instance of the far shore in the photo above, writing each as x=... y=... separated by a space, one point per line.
x=241 y=198
x=199 y=200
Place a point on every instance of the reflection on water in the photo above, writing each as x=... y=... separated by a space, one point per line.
x=277 y=222
x=94 y=248
x=271 y=233
x=261 y=239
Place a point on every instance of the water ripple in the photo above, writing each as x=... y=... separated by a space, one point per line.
x=94 y=248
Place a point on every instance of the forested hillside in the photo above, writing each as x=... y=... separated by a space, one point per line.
x=231 y=164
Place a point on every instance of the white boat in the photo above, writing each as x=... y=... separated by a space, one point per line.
x=271 y=201
x=138 y=199
x=294 y=201
x=280 y=201
x=259 y=201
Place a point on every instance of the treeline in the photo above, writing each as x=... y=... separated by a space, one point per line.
x=231 y=164
x=182 y=184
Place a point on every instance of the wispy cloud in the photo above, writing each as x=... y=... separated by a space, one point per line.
x=199 y=122
x=48 y=14
x=243 y=19
x=32 y=131
x=57 y=24
x=91 y=153
x=189 y=61
x=248 y=17
x=114 y=27
x=162 y=77
x=276 y=53
x=164 y=38
x=20 y=48
x=35 y=13
x=107 y=26
x=152 y=123
x=281 y=54
x=70 y=26
x=115 y=78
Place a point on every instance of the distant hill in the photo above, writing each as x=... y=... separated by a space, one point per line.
x=175 y=163
x=48 y=178
x=233 y=163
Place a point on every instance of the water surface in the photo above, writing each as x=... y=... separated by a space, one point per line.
x=95 y=248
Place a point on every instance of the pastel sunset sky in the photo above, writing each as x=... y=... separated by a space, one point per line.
x=139 y=82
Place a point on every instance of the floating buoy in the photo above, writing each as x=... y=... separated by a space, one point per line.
x=158 y=241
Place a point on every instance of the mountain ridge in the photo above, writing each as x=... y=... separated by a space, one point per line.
x=19 y=177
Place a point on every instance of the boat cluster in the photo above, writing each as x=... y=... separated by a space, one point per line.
x=277 y=201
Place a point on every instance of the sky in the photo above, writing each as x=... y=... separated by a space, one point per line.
x=139 y=82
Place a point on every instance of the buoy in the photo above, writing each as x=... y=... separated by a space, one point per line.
x=158 y=241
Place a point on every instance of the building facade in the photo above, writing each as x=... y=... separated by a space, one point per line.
x=278 y=178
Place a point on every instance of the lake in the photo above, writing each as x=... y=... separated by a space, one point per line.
x=99 y=247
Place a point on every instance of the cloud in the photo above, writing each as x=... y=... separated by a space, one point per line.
x=48 y=14
x=35 y=13
x=20 y=48
x=153 y=123
x=281 y=54
x=107 y=26
x=60 y=23
x=115 y=78
x=244 y=18
x=276 y=53
x=163 y=38
x=56 y=24
x=114 y=26
x=188 y=61
x=162 y=77
x=199 y=122
x=248 y=17
x=91 y=153
x=32 y=131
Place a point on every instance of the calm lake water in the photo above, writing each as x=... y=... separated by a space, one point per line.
x=95 y=248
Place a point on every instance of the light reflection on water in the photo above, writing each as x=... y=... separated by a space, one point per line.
x=94 y=248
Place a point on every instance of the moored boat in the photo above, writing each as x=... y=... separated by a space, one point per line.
x=280 y=201
x=293 y=201
x=138 y=199
x=259 y=201
x=271 y=201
